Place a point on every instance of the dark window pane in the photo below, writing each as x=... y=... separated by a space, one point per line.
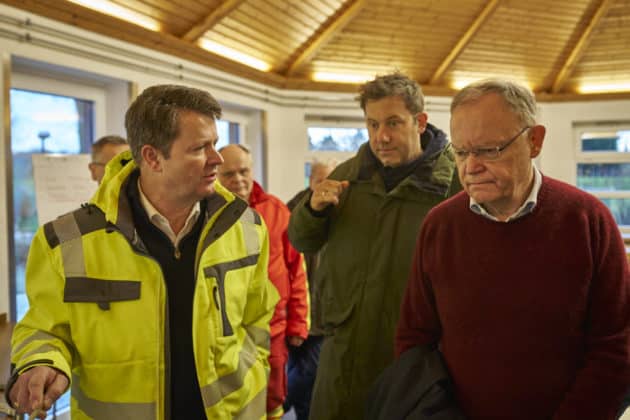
x=606 y=142
x=620 y=209
x=595 y=177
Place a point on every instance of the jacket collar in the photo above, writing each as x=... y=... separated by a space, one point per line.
x=112 y=199
x=433 y=173
x=257 y=195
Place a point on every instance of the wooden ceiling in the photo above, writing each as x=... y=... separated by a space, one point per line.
x=556 y=46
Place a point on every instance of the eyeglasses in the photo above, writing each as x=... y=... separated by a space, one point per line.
x=486 y=153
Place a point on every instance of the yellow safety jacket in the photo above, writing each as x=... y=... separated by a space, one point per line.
x=99 y=314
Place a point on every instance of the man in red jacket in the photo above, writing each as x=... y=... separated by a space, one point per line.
x=521 y=279
x=286 y=269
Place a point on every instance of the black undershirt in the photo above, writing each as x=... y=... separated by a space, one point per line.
x=186 y=401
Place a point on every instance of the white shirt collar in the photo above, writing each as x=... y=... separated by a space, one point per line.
x=162 y=223
x=527 y=207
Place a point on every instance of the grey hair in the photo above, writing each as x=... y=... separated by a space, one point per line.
x=393 y=84
x=517 y=97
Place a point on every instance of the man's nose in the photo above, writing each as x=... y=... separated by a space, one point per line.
x=382 y=134
x=213 y=156
x=474 y=163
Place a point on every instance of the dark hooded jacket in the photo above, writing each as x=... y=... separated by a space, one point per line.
x=369 y=240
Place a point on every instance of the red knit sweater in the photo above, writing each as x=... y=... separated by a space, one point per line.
x=533 y=315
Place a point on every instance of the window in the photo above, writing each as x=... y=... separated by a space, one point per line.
x=333 y=142
x=40 y=123
x=229 y=132
x=603 y=168
x=338 y=139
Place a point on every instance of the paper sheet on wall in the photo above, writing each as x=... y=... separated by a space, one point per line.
x=62 y=184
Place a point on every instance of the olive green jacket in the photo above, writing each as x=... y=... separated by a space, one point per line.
x=369 y=238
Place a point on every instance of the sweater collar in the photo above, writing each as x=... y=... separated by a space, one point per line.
x=527 y=207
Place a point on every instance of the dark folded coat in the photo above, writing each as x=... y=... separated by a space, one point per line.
x=416 y=386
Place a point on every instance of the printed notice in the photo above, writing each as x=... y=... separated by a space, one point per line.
x=62 y=184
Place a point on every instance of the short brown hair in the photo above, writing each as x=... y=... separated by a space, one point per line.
x=153 y=118
x=393 y=84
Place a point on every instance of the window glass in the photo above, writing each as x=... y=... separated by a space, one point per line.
x=594 y=177
x=340 y=139
x=620 y=209
x=603 y=169
x=606 y=142
x=228 y=132
x=40 y=123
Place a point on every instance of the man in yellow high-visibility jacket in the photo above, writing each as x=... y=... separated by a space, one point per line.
x=153 y=301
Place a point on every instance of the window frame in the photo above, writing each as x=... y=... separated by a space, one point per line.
x=596 y=157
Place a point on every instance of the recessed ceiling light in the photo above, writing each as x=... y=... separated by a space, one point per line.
x=120 y=12
x=603 y=88
x=459 y=84
x=232 y=54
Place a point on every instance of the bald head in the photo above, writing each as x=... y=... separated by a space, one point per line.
x=320 y=171
x=103 y=151
x=236 y=171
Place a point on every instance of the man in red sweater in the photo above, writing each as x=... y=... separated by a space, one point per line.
x=290 y=322
x=521 y=279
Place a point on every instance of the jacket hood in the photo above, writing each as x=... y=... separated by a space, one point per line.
x=435 y=171
x=433 y=140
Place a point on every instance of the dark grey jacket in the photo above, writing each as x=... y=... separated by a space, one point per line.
x=416 y=386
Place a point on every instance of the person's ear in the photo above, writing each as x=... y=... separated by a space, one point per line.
x=421 y=120
x=536 y=139
x=92 y=168
x=152 y=157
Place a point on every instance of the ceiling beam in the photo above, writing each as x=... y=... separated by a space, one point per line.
x=464 y=41
x=211 y=20
x=580 y=46
x=327 y=31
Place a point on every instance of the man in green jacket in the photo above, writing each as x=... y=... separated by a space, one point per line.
x=152 y=301
x=368 y=213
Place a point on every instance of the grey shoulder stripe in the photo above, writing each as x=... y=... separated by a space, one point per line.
x=252 y=216
x=51 y=236
x=72 y=225
x=226 y=219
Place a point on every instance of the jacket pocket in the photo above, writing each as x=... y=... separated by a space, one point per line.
x=99 y=291
x=230 y=294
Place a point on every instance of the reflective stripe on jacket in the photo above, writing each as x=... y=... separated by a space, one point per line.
x=99 y=310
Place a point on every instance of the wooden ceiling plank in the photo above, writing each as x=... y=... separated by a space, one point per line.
x=464 y=41
x=212 y=19
x=580 y=46
x=326 y=32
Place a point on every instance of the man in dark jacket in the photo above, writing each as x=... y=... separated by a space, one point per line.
x=367 y=214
